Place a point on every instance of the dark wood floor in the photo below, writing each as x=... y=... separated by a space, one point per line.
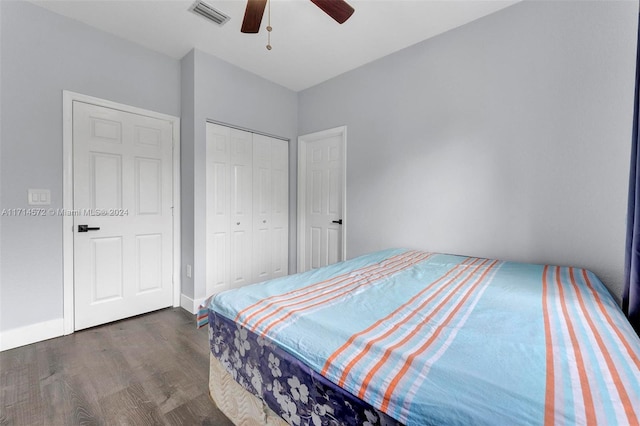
x=148 y=370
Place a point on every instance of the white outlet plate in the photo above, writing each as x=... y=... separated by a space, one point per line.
x=39 y=197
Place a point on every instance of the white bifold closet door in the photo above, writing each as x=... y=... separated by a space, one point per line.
x=270 y=207
x=247 y=208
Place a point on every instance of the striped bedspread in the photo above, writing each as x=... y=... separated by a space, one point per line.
x=441 y=339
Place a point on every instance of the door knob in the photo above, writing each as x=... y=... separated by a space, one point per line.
x=85 y=228
x=339 y=221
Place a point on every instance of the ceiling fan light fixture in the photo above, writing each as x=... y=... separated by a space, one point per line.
x=209 y=12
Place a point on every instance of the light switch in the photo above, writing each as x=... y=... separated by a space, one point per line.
x=39 y=197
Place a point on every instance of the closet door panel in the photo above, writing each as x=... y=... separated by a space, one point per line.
x=280 y=253
x=218 y=217
x=241 y=188
x=280 y=207
x=247 y=208
x=262 y=205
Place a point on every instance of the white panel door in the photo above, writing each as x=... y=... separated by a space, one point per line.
x=279 y=208
x=229 y=208
x=247 y=208
x=270 y=207
x=323 y=202
x=262 y=208
x=122 y=166
x=218 y=220
x=241 y=202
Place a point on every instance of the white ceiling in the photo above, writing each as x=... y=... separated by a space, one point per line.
x=308 y=46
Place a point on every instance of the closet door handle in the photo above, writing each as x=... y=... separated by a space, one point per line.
x=85 y=228
x=339 y=221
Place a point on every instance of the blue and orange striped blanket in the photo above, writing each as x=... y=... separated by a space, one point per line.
x=441 y=339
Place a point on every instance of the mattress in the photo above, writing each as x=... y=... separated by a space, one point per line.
x=281 y=382
x=241 y=407
x=426 y=338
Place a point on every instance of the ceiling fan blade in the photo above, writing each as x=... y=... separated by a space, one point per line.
x=253 y=16
x=339 y=10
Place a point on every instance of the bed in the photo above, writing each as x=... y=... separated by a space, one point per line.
x=410 y=337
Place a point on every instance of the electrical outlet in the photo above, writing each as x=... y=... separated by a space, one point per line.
x=39 y=197
x=188 y=271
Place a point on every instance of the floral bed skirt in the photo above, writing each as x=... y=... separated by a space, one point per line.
x=299 y=395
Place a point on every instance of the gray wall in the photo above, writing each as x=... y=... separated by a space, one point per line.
x=187 y=129
x=43 y=54
x=508 y=137
x=230 y=95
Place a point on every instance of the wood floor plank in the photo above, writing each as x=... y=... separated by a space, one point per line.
x=68 y=403
x=130 y=406
x=198 y=411
x=148 y=370
x=169 y=390
x=19 y=386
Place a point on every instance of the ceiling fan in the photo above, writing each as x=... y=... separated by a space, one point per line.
x=339 y=10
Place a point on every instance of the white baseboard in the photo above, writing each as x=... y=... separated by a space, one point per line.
x=33 y=333
x=189 y=304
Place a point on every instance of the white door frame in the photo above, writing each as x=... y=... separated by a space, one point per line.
x=68 y=98
x=303 y=142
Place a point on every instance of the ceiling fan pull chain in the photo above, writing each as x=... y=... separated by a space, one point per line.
x=269 y=25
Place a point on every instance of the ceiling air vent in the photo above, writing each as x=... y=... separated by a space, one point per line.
x=207 y=11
